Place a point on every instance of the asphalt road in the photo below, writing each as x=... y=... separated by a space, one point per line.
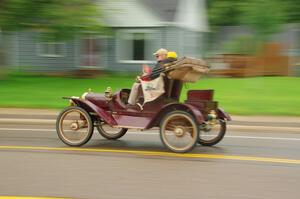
x=257 y=164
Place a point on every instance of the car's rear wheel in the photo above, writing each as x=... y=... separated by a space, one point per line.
x=74 y=126
x=109 y=132
x=179 y=131
x=212 y=133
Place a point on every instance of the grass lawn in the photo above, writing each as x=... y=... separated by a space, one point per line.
x=245 y=96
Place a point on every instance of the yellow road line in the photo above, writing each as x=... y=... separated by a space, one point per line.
x=28 y=197
x=163 y=154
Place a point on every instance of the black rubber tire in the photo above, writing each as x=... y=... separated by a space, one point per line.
x=217 y=139
x=109 y=136
x=87 y=117
x=194 y=123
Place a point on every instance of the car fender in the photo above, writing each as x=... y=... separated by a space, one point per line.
x=176 y=106
x=223 y=115
x=90 y=107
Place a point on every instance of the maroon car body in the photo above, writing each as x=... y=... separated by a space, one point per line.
x=116 y=112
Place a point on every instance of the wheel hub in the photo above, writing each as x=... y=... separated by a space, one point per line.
x=179 y=132
x=207 y=127
x=74 y=126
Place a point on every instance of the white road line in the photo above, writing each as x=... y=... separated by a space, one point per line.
x=262 y=138
x=16 y=129
x=268 y=128
x=156 y=133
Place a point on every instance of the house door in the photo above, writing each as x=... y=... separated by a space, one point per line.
x=90 y=53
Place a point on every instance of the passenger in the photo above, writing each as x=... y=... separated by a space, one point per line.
x=160 y=55
x=171 y=56
x=159 y=68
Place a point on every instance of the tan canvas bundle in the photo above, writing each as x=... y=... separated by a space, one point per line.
x=187 y=69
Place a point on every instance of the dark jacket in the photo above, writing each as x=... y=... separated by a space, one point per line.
x=158 y=69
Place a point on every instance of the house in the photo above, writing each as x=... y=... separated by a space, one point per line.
x=139 y=28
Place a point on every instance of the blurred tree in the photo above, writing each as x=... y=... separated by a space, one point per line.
x=293 y=11
x=57 y=19
x=253 y=12
x=265 y=16
x=224 y=12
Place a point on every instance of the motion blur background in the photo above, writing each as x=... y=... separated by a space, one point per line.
x=52 y=48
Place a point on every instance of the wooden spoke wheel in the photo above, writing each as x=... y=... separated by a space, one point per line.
x=212 y=132
x=179 y=131
x=111 y=133
x=74 y=126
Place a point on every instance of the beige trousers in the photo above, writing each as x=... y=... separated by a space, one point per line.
x=134 y=93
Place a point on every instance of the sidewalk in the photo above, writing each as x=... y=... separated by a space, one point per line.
x=46 y=116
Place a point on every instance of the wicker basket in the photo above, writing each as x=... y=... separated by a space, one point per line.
x=187 y=69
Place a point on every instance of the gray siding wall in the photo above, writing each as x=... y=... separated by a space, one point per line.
x=10 y=44
x=192 y=44
x=29 y=55
x=112 y=59
x=23 y=50
x=24 y=54
x=185 y=43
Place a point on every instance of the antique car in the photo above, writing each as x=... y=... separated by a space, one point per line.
x=181 y=124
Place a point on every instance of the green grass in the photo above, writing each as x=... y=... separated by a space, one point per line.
x=255 y=96
x=245 y=96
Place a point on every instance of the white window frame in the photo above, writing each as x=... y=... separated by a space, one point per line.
x=119 y=35
x=42 y=54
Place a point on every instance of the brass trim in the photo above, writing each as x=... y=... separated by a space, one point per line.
x=72 y=103
x=84 y=95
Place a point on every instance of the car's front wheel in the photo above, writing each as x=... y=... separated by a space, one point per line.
x=74 y=126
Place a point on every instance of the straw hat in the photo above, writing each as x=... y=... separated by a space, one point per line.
x=161 y=51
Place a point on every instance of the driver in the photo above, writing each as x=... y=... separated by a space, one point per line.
x=160 y=55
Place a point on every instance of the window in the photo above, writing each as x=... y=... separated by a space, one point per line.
x=51 y=49
x=138 y=46
x=135 y=46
